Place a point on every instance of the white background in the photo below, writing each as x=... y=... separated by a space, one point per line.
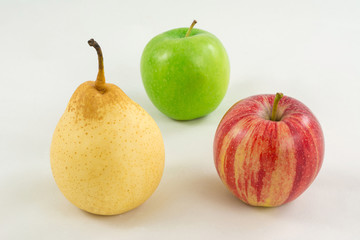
x=308 y=49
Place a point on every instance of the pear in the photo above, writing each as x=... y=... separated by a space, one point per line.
x=107 y=153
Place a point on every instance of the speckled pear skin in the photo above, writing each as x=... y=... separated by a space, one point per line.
x=107 y=153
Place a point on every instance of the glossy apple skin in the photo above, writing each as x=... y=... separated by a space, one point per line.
x=268 y=163
x=185 y=78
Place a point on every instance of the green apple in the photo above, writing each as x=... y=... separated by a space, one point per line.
x=185 y=72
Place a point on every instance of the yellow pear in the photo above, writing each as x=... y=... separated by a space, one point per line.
x=107 y=153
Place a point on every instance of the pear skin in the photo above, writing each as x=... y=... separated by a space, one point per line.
x=107 y=153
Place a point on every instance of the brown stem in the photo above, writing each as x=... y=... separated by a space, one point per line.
x=100 y=80
x=190 y=28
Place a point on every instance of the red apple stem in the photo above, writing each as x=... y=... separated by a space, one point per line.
x=278 y=96
x=190 y=28
x=100 y=79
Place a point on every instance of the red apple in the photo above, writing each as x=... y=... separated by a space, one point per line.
x=268 y=151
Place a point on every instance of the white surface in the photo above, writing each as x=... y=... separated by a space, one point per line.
x=309 y=50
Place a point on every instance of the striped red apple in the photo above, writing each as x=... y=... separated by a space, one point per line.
x=268 y=149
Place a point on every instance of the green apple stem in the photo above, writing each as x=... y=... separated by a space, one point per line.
x=100 y=80
x=190 y=28
x=278 y=96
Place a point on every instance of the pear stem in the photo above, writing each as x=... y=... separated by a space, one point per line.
x=278 y=96
x=190 y=28
x=100 y=79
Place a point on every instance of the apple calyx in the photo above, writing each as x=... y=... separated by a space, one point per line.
x=277 y=98
x=190 y=28
x=100 y=79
